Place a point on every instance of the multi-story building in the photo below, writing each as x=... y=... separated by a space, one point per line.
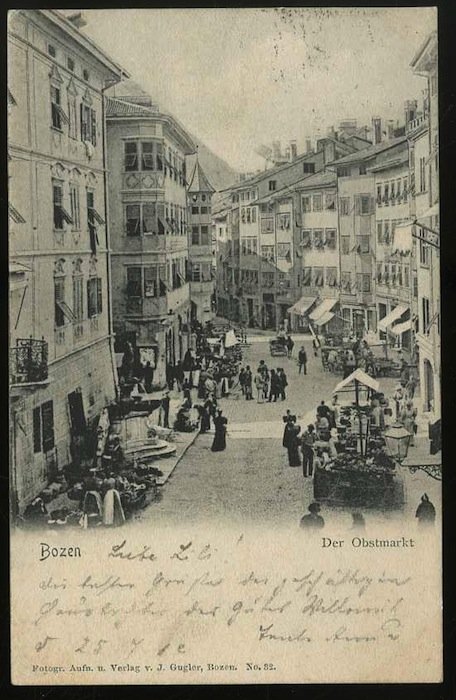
x=61 y=367
x=148 y=216
x=422 y=134
x=357 y=212
x=202 y=278
x=395 y=274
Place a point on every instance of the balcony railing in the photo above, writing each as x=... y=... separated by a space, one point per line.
x=29 y=361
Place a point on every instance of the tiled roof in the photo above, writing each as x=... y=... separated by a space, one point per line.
x=199 y=181
x=121 y=108
x=370 y=151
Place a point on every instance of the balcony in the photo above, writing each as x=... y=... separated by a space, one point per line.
x=29 y=363
x=151 y=307
x=418 y=124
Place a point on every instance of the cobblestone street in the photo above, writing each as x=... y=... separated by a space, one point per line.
x=251 y=481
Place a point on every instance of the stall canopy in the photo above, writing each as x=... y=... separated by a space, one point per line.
x=359 y=376
x=302 y=306
x=325 y=306
x=400 y=328
x=403 y=238
x=323 y=320
x=230 y=339
x=394 y=315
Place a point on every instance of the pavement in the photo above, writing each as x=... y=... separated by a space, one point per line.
x=251 y=480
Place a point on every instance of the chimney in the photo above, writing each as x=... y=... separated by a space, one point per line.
x=330 y=132
x=293 y=149
x=276 y=150
x=376 y=130
x=308 y=146
x=390 y=129
x=410 y=107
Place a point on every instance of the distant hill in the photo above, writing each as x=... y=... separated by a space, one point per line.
x=218 y=172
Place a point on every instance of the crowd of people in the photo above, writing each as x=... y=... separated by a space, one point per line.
x=270 y=384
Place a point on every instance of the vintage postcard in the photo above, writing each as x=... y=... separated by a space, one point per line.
x=224 y=343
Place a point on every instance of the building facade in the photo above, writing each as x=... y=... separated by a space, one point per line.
x=201 y=253
x=61 y=363
x=422 y=134
x=148 y=216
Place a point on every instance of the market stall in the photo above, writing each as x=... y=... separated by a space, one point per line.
x=361 y=473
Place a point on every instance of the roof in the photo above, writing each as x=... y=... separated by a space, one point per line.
x=359 y=376
x=266 y=174
x=70 y=28
x=370 y=151
x=430 y=43
x=121 y=108
x=401 y=159
x=320 y=179
x=199 y=181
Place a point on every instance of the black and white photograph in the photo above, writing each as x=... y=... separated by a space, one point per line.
x=224 y=327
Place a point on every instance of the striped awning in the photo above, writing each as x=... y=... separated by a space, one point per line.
x=394 y=315
x=323 y=320
x=400 y=328
x=325 y=306
x=302 y=306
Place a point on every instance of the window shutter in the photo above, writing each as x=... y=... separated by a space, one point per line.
x=37 y=429
x=89 y=303
x=81 y=112
x=93 y=124
x=357 y=205
x=47 y=418
x=99 y=296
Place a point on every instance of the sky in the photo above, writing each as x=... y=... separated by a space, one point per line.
x=238 y=78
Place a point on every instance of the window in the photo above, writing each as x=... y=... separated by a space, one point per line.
x=205 y=235
x=70 y=64
x=386 y=274
x=72 y=117
x=147 y=161
x=51 y=50
x=267 y=225
x=130 y=155
x=308 y=167
x=330 y=238
x=195 y=235
x=393 y=274
x=406 y=276
x=398 y=191
x=196 y=272
x=363 y=282
x=345 y=245
x=424 y=254
x=423 y=174
x=306 y=276
x=399 y=275
x=379 y=275
x=268 y=279
x=379 y=196
x=330 y=201
x=60 y=213
x=331 y=276
x=134 y=286
x=94 y=297
x=249 y=246
x=78 y=303
x=317 y=202
x=85 y=74
x=318 y=276
x=379 y=232
x=283 y=221
x=272 y=185
x=59 y=297
x=364 y=204
x=74 y=207
x=195 y=210
x=405 y=189
x=393 y=193
x=58 y=116
x=47 y=426
x=363 y=243
x=386 y=233
x=204 y=210
x=362 y=170
x=133 y=219
x=284 y=251
x=88 y=118
x=306 y=238
x=426 y=316
x=344 y=172
x=268 y=253
x=254 y=215
x=318 y=238
x=345 y=281
x=306 y=203
x=386 y=194
x=344 y=206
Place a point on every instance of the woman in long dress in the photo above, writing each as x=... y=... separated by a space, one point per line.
x=220 y=423
x=294 y=459
x=287 y=420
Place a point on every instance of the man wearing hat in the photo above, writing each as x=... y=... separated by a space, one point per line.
x=312 y=519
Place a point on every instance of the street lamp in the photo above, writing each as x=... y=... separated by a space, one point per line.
x=397 y=440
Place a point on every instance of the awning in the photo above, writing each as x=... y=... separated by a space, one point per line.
x=323 y=320
x=361 y=377
x=394 y=315
x=302 y=306
x=17 y=268
x=325 y=306
x=403 y=238
x=400 y=328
